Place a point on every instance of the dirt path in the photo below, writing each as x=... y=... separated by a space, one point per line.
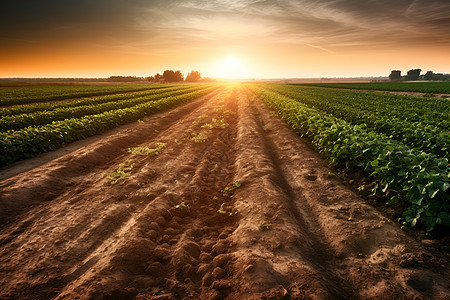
x=225 y=202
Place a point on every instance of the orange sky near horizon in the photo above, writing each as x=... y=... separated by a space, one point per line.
x=232 y=39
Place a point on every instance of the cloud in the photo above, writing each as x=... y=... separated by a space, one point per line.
x=324 y=25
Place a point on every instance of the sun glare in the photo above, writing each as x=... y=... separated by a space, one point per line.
x=231 y=68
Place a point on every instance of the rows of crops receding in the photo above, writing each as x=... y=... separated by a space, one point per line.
x=404 y=174
x=34 y=94
x=84 y=107
x=34 y=107
x=418 y=122
x=32 y=140
x=418 y=87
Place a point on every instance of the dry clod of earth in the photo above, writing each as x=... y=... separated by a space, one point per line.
x=284 y=229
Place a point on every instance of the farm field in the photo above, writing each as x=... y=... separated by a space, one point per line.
x=12 y=95
x=419 y=87
x=208 y=192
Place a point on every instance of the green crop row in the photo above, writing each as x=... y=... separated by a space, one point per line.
x=34 y=107
x=408 y=175
x=430 y=111
x=39 y=118
x=419 y=134
x=33 y=94
x=419 y=87
x=31 y=141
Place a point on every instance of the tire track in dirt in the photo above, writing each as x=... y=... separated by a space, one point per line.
x=276 y=243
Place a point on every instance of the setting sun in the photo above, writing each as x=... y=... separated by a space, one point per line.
x=231 y=68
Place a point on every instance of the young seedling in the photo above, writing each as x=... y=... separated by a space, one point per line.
x=121 y=173
x=219 y=123
x=264 y=226
x=199 y=137
x=229 y=190
x=147 y=150
x=222 y=211
x=182 y=206
x=207 y=126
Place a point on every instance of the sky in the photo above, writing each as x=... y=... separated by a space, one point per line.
x=225 y=39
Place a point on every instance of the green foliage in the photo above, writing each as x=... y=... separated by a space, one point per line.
x=121 y=173
x=33 y=94
x=147 y=150
x=420 y=87
x=404 y=174
x=89 y=107
x=417 y=122
x=30 y=141
x=200 y=137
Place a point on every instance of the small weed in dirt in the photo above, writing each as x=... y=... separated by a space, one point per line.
x=140 y=121
x=200 y=137
x=222 y=211
x=147 y=150
x=219 y=123
x=182 y=206
x=207 y=126
x=229 y=190
x=264 y=226
x=121 y=173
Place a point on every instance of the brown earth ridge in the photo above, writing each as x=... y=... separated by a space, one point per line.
x=222 y=201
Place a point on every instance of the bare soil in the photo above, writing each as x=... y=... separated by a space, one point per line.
x=233 y=206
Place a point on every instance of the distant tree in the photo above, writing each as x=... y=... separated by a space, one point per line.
x=150 y=78
x=428 y=75
x=413 y=74
x=395 y=75
x=171 y=76
x=158 y=77
x=178 y=76
x=194 y=76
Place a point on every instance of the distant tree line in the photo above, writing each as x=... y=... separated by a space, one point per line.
x=167 y=76
x=414 y=74
x=177 y=76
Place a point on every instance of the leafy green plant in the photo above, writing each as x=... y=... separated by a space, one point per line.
x=121 y=173
x=219 y=123
x=404 y=174
x=207 y=126
x=200 y=137
x=147 y=150
x=30 y=141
